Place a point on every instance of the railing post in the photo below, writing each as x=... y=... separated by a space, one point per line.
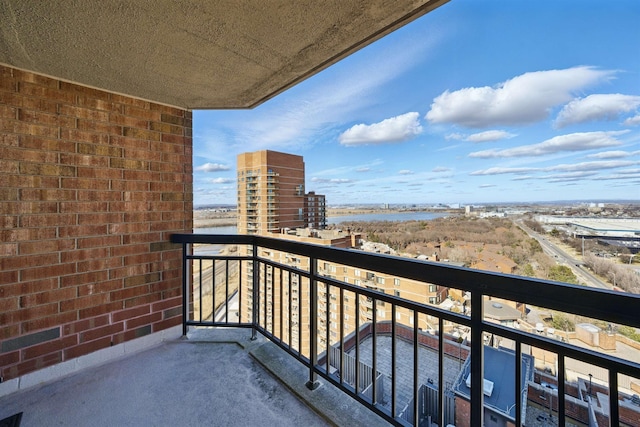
x=255 y=291
x=313 y=383
x=186 y=273
x=477 y=359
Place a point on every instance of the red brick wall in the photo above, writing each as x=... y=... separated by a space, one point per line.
x=91 y=186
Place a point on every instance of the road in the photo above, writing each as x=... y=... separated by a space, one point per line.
x=561 y=257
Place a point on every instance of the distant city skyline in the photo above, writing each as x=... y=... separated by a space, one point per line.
x=476 y=102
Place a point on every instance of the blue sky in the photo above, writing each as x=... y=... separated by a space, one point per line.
x=476 y=102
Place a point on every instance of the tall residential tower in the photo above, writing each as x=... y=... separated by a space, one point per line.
x=271 y=194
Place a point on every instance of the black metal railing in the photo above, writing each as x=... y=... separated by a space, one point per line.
x=277 y=288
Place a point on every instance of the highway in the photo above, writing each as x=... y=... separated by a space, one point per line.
x=563 y=258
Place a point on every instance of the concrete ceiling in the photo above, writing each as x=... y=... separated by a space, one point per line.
x=194 y=54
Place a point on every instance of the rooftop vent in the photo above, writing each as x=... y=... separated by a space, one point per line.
x=487 y=386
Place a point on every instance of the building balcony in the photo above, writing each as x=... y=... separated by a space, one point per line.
x=426 y=365
x=375 y=371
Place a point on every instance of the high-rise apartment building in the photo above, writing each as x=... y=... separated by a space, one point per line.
x=271 y=194
x=272 y=199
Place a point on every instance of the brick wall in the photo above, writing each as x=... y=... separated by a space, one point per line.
x=91 y=186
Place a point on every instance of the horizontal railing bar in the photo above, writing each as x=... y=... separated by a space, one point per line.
x=610 y=306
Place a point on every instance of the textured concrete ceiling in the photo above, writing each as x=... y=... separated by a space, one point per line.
x=194 y=53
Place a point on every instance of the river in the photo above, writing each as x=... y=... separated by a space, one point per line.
x=379 y=216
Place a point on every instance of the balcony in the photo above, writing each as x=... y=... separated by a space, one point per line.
x=374 y=371
x=214 y=377
x=406 y=374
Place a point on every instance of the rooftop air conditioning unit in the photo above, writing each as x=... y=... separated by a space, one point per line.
x=487 y=386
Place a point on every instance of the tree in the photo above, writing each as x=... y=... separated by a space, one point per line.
x=562 y=273
x=528 y=271
x=534 y=246
x=561 y=321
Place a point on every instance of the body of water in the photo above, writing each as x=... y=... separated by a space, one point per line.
x=387 y=216
x=380 y=216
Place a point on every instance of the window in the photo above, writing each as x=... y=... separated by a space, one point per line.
x=396 y=293
x=433 y=288
x=396 y=282
x=398 y=316
x=380 y=280
x=357 y=282
x=380 y=313
x=432 y=300
x=356 y=273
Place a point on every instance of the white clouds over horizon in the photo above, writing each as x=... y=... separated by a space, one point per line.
x=596 y=107
x=524 y=99
x=212 y=167
x=578 y=141
x=392 y=130
x=489 y=136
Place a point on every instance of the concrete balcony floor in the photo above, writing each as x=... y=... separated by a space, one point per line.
x=214 y=377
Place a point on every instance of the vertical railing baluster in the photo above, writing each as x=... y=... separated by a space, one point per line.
x=393 y=360
x=282 y=306
x=185 y=288
x=200 y=288
x=416 y=365
x=518 y=384
x=312 y=384
x=560 y=399
x=289 y=339
x=240 y=307
x=614 y=410
x=255 y=292
x=441 y=397
x=374 y=354
x=226 y=292
x=299 y=283
x=477 y=359
x=357 y=373
x=341 y=336
x=327 y=313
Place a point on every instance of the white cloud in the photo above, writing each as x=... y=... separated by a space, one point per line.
x=332 y=180
x=221 y=181
x=610 y=155
x=632 y=121
x=441 y=169
x=490 y=135
x=570 y=176
x=405 y=172
x=363 y=169
x=394 y=129
x=524 y=99
x=502 y=171
x=212 y=167
x=592 y=166
x=579 y=141
x=596 y=107
x=454 y=136
x=486 y=185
